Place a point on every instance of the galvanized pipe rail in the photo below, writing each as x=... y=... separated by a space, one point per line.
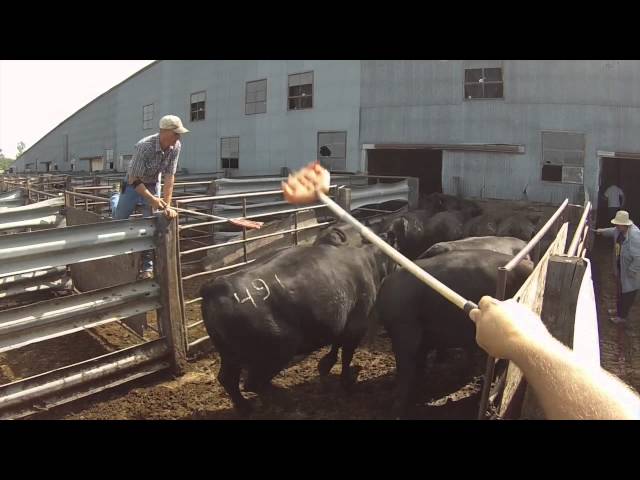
x=580 y=232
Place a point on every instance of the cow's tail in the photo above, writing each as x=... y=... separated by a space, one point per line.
x=215 y=299
x=375 y=328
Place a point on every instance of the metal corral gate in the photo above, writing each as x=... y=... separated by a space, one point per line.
x=295 y=224
x=21 y=326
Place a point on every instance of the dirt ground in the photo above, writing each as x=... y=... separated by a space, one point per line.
x=300 y=393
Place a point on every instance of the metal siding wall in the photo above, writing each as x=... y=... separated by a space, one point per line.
x=90 y=131
x=582 y=96
x=267 y=141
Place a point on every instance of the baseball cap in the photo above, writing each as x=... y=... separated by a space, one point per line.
x=172 y=122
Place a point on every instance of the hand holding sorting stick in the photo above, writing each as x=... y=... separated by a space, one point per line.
x=301 y=188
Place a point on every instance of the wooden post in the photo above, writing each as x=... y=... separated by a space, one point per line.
x=183 y=318
x=564 y=277
x=562 y=286
x=212 y=191
x=344 y=198
x=170 y=316
x=414 y=192
x=244 y=229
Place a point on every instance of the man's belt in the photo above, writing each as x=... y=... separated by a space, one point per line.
x=151 y=186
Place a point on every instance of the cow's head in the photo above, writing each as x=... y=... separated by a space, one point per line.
x=396 y=233
x=434 y=202
x=339 y=235
x=384 y=264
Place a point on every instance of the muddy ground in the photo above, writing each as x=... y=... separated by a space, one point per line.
x=300 y=394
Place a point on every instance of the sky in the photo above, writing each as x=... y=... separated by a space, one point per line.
x=36 y=95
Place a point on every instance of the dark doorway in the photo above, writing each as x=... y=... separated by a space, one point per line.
x=422 y=163
x=625 y=173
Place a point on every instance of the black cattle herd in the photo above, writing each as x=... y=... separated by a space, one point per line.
x=303 y=298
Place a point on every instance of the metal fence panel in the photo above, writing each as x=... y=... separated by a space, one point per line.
x=53 y=318
x=25 y=252
x=91 y=376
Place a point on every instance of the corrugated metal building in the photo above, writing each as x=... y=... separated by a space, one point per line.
x=512 y=129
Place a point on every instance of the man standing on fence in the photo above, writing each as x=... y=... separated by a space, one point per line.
x=627 y=263
x=155 y=155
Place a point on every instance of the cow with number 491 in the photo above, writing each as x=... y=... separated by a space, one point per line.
x=297 y=301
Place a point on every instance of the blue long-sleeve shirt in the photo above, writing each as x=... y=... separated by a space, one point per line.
x=629 y=257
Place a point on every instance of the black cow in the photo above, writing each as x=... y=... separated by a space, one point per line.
x=419 y=320
x=517 y=225
x=484 y=225
x=440 y=202
x=299 y=301
x=507 y=245
x=343 y=234
x=413 y=233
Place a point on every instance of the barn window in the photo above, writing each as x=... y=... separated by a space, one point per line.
x=332 y=150
x=300 y=91
x=230 y=152
x=109 y=158
x=483 y=83
x=198 y=100
x=256 y=97
x=563 y=157
x=125 y=160
x=147 y=116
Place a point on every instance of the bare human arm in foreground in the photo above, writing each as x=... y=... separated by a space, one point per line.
x=565 y=387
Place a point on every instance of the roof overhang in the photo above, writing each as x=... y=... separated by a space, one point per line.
x=468 y=147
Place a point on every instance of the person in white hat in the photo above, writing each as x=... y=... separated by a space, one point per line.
x=627 y=262
x=155 y=155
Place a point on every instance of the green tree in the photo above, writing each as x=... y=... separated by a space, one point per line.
x=21 y=146
x=5 y=163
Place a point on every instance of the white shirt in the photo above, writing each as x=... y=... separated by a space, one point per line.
x=613 y=194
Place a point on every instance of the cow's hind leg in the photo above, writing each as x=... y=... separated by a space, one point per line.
x=327 y=362
x=229 y=378
x=272 y=359
x=259 y=381
x=353 y=334
x=349 y=375
x=260 y=375
x=406 y=347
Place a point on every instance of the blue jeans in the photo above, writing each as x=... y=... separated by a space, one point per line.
x=124 y=204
